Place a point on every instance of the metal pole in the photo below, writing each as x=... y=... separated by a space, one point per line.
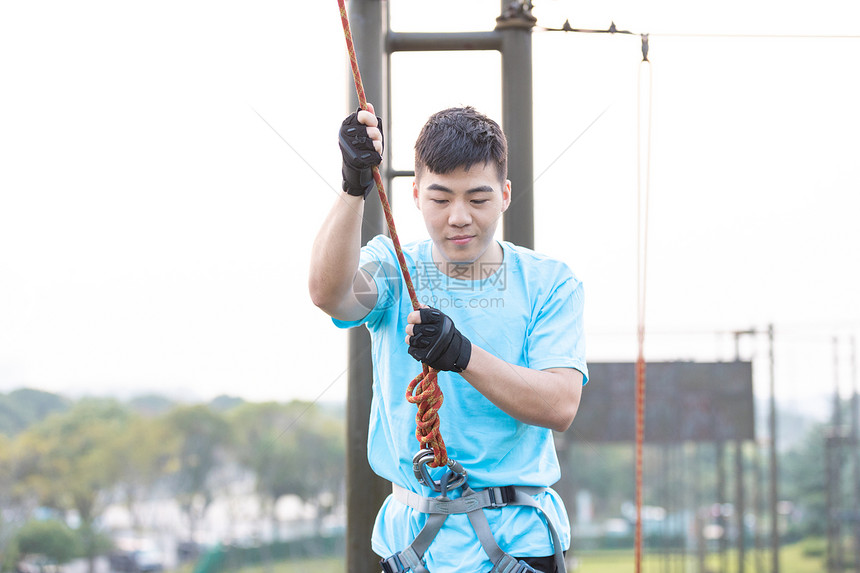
x=680 y=552
x=739 y=475
x=442 y=41
x=830 y=503
x=721 y=501
x=740 y=508
x=837 y=406
x=667 y=502
x=700 y=510
x=855 y=451
x=834 y=483
x=758 y=495
x=515 y=26
x=774 y=486
x=365 y=491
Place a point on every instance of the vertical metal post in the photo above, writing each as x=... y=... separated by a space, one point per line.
x=834 y=472
x=739 y=475
x=721 y=500
x=365 y=491
x=758 y=501
x=740 y=508
x=666 y=494
x=855 y=454
x=679 y=546
x=515 y=28
x=774 y=471
x=700 y=514
x=830 y=503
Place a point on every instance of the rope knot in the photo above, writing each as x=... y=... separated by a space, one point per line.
x=424 y=391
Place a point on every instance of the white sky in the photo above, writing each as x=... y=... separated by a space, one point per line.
x=155 y=232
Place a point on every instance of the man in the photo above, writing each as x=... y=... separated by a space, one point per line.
x=501 y=323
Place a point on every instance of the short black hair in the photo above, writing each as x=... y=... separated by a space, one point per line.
x=460 y=137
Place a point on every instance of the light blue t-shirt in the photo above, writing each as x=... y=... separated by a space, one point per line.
x=527 y=312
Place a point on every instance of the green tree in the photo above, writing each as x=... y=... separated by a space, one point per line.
x=803 y=479
x=144 y=452
x=151 y=405
x=605 y=471
x=201 y=439
x=21 y=408
x=293 y=449
x=69 y=462
x=6 y=501
x=50 y=538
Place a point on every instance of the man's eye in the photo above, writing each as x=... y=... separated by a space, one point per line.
x=439 y=201
x=479 y=201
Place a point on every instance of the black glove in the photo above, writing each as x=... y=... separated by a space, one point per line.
x=438 y=343
x=359 y=156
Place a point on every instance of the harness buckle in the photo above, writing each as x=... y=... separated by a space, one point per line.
x=523 y=567
x=422 y=474
x=393 y=564
x=505 y=496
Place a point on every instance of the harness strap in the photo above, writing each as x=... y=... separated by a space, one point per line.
x=502 y=562
x=471 y=503
x=523 y=499
x=410 y=559
x=491 y=497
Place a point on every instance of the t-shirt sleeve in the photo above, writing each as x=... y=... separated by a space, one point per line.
x=556 y=338
x=379 y=262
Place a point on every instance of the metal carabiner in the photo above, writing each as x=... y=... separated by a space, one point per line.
x=422 y=474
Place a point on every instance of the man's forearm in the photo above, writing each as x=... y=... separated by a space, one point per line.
x=335 y=255
x=547 y=398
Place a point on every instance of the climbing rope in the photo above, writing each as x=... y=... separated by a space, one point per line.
x=643 y=184
x=424 y=389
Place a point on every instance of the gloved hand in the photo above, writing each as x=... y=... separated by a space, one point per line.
x=437 y=342
x=359 y=155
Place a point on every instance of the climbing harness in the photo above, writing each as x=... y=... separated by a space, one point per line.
x=424 y=391
x=472 y=503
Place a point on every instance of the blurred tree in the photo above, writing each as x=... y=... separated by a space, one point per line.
x=803 y=479
x=50 y=538
x=24 y=407
x=604 y=470
x=293 y=449
x=69 y=461
x=144 y=452
x=224 y=403
x=6 y=501
x=201 y=438
x=151 y=404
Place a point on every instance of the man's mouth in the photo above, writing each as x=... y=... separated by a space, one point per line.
x=461 y=239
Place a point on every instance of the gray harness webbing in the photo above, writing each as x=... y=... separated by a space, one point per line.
x=471 y=503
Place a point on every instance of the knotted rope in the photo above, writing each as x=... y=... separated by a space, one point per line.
x=424 y=389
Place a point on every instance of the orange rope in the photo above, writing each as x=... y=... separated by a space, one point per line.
x=424 y=389
x=641 y=267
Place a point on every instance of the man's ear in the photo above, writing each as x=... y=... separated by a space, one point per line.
x=506 y=195
x=415 y=193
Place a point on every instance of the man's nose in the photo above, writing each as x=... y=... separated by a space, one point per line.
x=459 y=215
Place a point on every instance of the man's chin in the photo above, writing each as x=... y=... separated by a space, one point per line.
x=458 y=258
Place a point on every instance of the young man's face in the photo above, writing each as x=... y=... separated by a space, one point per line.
x=461 y=210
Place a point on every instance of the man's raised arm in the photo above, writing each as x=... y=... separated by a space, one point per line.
x=335 y=255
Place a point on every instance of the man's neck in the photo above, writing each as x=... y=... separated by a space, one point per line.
x=486 y=265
